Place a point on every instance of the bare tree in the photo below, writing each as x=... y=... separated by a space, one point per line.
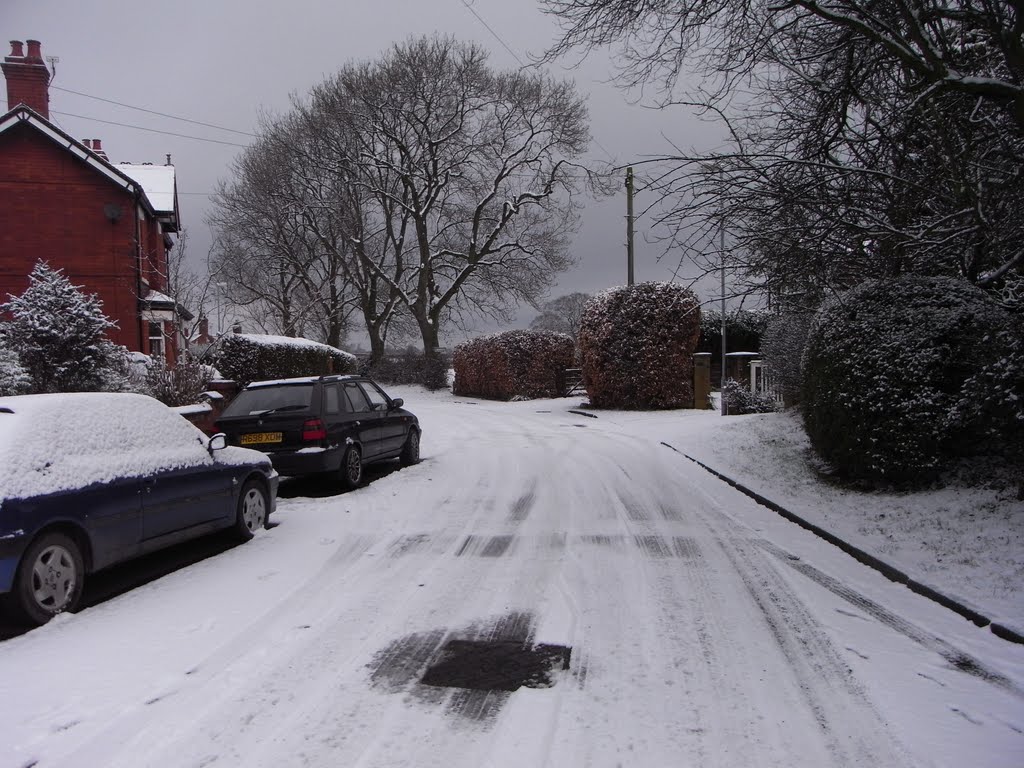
x=471 y=175
x=867 y=139
x=188 y=287
x=271 y=262
x=562 y=314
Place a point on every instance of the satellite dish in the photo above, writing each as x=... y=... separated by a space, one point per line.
x=112 y=211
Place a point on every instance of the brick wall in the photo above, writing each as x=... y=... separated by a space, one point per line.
x=54 y=209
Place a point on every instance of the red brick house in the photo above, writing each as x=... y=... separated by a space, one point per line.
x=108 y=227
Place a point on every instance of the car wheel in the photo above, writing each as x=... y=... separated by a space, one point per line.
x=49 y=579
x=411 y=449
x=252 y=510
x=351 y=468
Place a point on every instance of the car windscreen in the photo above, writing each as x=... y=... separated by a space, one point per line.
x=281 y=398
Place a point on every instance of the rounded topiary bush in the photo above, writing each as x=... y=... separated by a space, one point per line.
x=884 y=367
x=637 y=344
x=502 y=366
x=513 y=364
x=255 y=357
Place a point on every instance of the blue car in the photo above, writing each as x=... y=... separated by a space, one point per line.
x=88 y=480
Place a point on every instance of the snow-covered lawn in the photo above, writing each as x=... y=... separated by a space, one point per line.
x=704 y=629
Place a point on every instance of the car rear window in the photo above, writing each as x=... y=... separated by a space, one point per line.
x=286 y=397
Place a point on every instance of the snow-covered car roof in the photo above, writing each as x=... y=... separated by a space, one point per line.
x=58 y=442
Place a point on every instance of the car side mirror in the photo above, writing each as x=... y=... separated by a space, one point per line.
x=397 y=403
x=217 y=443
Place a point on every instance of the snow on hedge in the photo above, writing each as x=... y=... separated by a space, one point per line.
x=256 y=357
x=514 y=364
x=884 y=372
x=637 y=344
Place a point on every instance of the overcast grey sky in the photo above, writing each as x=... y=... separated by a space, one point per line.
x=224 y=62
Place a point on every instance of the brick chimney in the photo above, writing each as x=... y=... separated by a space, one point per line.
x=28 y=79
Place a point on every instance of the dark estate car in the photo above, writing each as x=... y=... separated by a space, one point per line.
x=326 y=424
x=88 y=480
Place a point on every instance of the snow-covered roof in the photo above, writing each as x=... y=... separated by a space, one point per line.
x=155 y=297
x=157 y=181
x=154 y=186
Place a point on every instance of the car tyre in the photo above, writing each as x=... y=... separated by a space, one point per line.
x=49 y=579
x=411 y=450
x=351 y=468
x=253 y=504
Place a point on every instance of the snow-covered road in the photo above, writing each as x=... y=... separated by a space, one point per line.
x=703 y=630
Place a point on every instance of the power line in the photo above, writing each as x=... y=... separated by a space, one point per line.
x=150 y=130
x=496 y=35
x=141 y=128
x=516 y=57
x=154 y=112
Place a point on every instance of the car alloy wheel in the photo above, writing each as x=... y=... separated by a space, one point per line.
x=49 y=580
x=252 y=510
x=352 y=467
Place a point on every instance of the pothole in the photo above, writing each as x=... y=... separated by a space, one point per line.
x=496 y=665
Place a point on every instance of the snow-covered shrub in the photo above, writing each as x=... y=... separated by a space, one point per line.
x=782 y=349
x=992 y=400
x=637 y=345
x=884 y=366
x=513 y=364
x=58 y=335
x=14 y=379
x=253 y=357
x=180 y=385
x=740 y=400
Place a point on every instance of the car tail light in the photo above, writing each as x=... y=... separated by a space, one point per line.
x=314 y=429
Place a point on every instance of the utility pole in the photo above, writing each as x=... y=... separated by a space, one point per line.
x=629 y=225
x=721 y=246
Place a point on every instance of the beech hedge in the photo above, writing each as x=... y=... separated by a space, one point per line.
x=513 y=364
x=253 y=357
x=637 y=344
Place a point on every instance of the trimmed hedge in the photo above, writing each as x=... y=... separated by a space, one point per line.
x=637 y=345
x=885 y=367
x=513 y=364
x=252 y=357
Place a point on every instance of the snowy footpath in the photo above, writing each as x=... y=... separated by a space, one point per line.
x=544 y=589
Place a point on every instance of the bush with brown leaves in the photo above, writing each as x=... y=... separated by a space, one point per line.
x=637 y=344
x=513 y=365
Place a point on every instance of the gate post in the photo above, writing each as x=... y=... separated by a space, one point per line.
x=702 y=380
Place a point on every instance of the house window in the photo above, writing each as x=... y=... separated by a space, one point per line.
x=156 y=341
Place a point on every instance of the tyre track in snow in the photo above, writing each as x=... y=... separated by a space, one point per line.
x=414 y=556
x=316 y=608
x=689 y=647
x=826 y=689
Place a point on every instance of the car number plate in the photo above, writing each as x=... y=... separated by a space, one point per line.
x=261 y=437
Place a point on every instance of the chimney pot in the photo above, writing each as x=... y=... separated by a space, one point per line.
x=88 y=143
x=96 y=145
x=28 y=79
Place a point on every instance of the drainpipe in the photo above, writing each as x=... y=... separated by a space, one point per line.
x=143 y=331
